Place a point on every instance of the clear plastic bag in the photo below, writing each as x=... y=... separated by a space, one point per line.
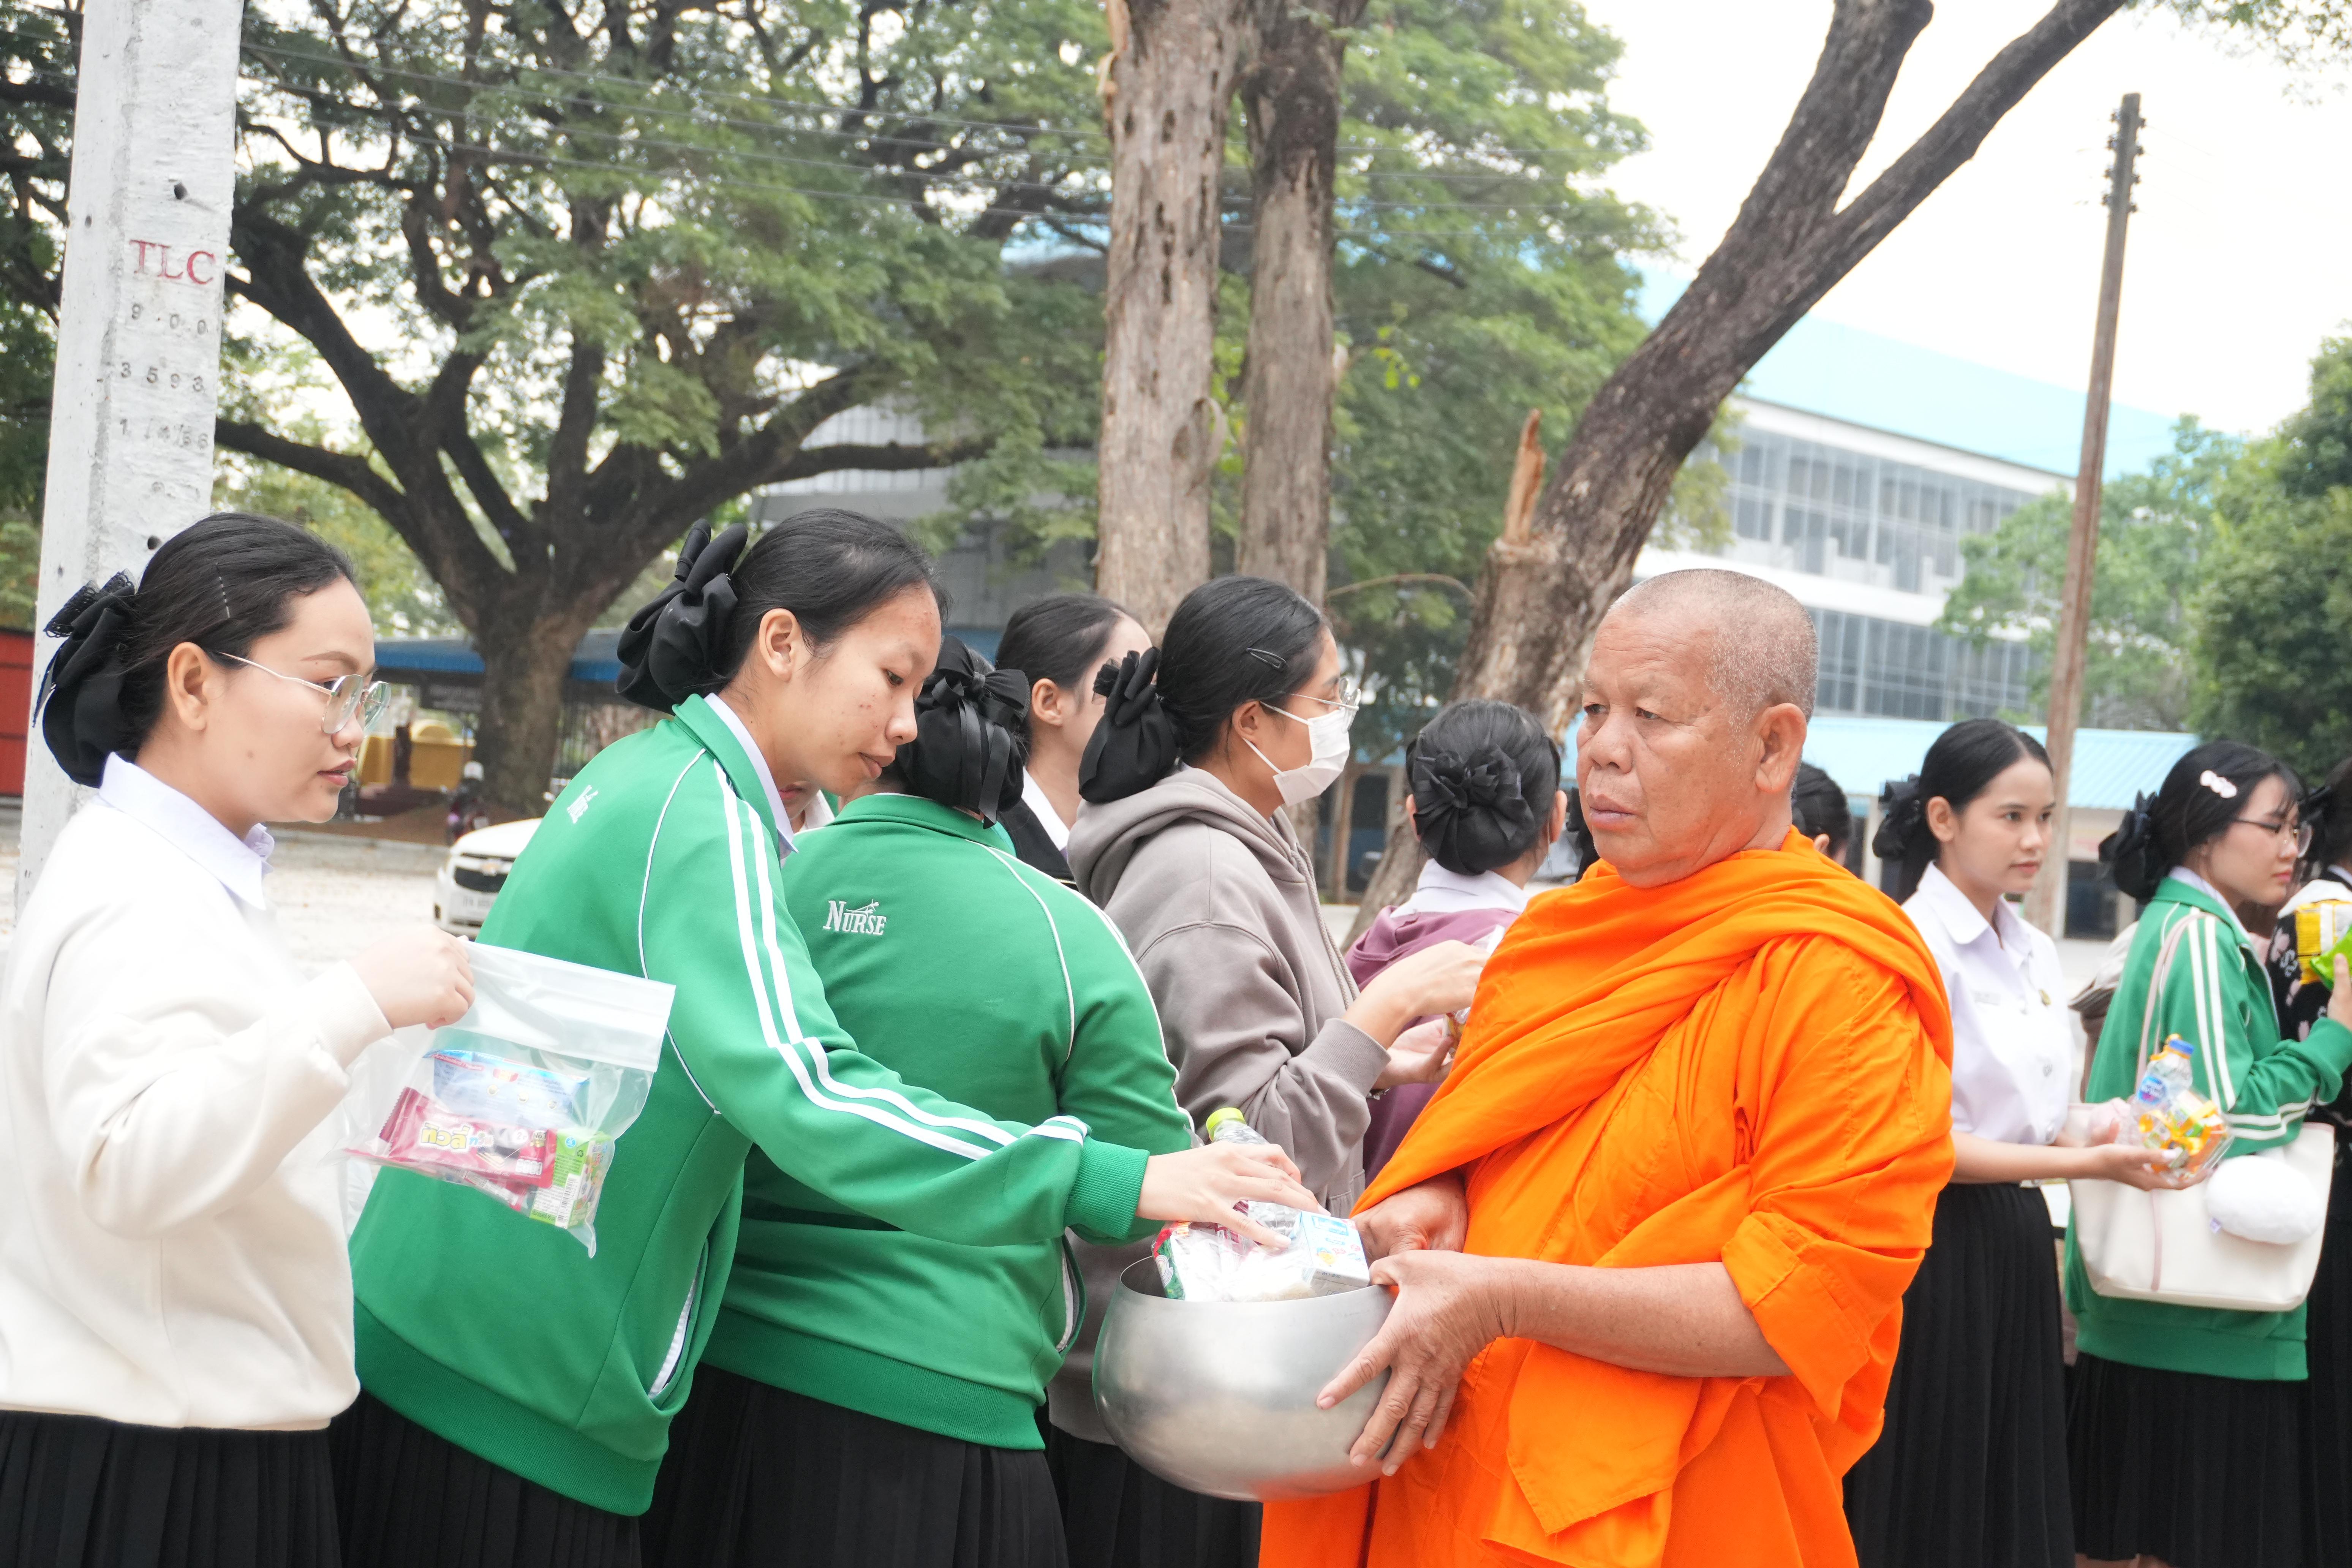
x=523 y=1098
x=1323 y=1255
x=2170 y=1119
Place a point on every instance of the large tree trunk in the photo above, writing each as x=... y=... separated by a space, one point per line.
x=1173 y=69
x=521 y=719
x=1290 y=96
x=1540 y=600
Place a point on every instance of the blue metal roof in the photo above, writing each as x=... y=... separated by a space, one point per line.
x=1845 y=373
x=2111 y=766
x=594 y=662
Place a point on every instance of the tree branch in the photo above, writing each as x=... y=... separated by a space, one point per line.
x=345 y=470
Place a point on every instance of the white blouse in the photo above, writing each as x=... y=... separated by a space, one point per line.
x=2010 y=1042
x=171 y=1230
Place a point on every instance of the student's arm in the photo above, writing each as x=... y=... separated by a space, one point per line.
x=1235 y=1031
x=2264 y=1086
x=167 y=1116
x=752 y=1029
x=1117 y=1079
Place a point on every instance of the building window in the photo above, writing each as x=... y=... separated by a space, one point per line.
x=1808 y=507
x=1897 y=671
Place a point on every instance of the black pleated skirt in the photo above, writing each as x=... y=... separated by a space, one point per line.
x=761 y=1478
x=1116 y=1514
x=2202 y=1472
x=2327 y=1396
x=79 y=1493
x=1970 y=1470
x=410 y=1498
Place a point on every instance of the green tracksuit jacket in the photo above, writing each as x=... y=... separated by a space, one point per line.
x=2217 y=997
x=959 y=967
x=503 y=1335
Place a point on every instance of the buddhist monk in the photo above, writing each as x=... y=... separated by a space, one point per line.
x=1650 y=1241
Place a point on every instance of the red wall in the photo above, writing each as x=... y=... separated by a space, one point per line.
x=16 y=706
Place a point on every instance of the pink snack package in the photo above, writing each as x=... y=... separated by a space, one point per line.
x=422 y=1131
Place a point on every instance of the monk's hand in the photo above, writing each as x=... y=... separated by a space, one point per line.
x=1441 y=978
x=1434 y=1216
x=1421 y=1055
x=1210 y=1182
x=1449 y=1307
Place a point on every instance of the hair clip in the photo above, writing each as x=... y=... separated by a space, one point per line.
x=1271 y=660
x=2218 y=784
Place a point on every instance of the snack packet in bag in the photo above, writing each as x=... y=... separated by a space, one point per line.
x=523 y=1098
x=1209 y=1263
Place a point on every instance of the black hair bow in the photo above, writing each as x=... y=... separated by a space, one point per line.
x=81 y=693
x=1470 y=812
x=1137 y=742
x=676 y=645
x=1902 y=819
x=972 y=735
x=2133 y=853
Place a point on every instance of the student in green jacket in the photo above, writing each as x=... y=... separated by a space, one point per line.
x=2183 y=1435
x=869 y=1395
x=518 y=1391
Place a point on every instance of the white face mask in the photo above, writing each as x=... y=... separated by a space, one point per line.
x=1328 y=733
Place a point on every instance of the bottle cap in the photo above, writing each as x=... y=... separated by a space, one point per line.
x=1222 y=1115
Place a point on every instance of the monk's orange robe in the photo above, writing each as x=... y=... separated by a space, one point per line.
x=1753 y=1066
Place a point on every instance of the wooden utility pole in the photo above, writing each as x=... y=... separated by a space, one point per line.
x=2047 y=904
x=138 y=370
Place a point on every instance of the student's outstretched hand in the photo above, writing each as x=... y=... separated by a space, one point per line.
x=1423 y=1054
x=418 y=975
x=1207 y=1184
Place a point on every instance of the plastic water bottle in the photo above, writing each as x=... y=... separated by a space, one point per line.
x=1227 y=1125
x=2169 y=1074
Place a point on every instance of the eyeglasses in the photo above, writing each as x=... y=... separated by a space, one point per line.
x=347 y=695
x=2298 y=831
x=1351 y=695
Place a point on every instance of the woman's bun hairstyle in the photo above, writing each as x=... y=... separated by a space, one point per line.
x=223 y=583
x=1818 y=803
x=971 y=735
x=1061 y=638
x=1233 y=640
x=1960 y=766
x=2328 y=812
x=830 y=568
x=2205 y=792
x=1483 y=776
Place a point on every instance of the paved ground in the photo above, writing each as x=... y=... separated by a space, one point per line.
x=334 y=894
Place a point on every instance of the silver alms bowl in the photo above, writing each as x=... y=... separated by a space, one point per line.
x=1219 y=1397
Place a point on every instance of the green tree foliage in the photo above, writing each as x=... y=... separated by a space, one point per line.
x=27 y=350
x=2315 y=443
x=2152 y=528
x=1464 y=302
x=2274 y=591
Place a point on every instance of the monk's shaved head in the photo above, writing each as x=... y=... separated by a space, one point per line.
x=1694 y=705
x=1761 y=644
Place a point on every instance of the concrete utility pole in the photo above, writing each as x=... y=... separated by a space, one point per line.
x=138 y=366
x=2045 y=906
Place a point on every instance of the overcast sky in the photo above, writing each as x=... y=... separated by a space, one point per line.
x=2241 y=255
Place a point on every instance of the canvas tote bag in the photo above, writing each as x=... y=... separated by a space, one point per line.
x=2163 y=1245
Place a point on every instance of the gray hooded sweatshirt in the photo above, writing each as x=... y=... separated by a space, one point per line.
x=1218 y=904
